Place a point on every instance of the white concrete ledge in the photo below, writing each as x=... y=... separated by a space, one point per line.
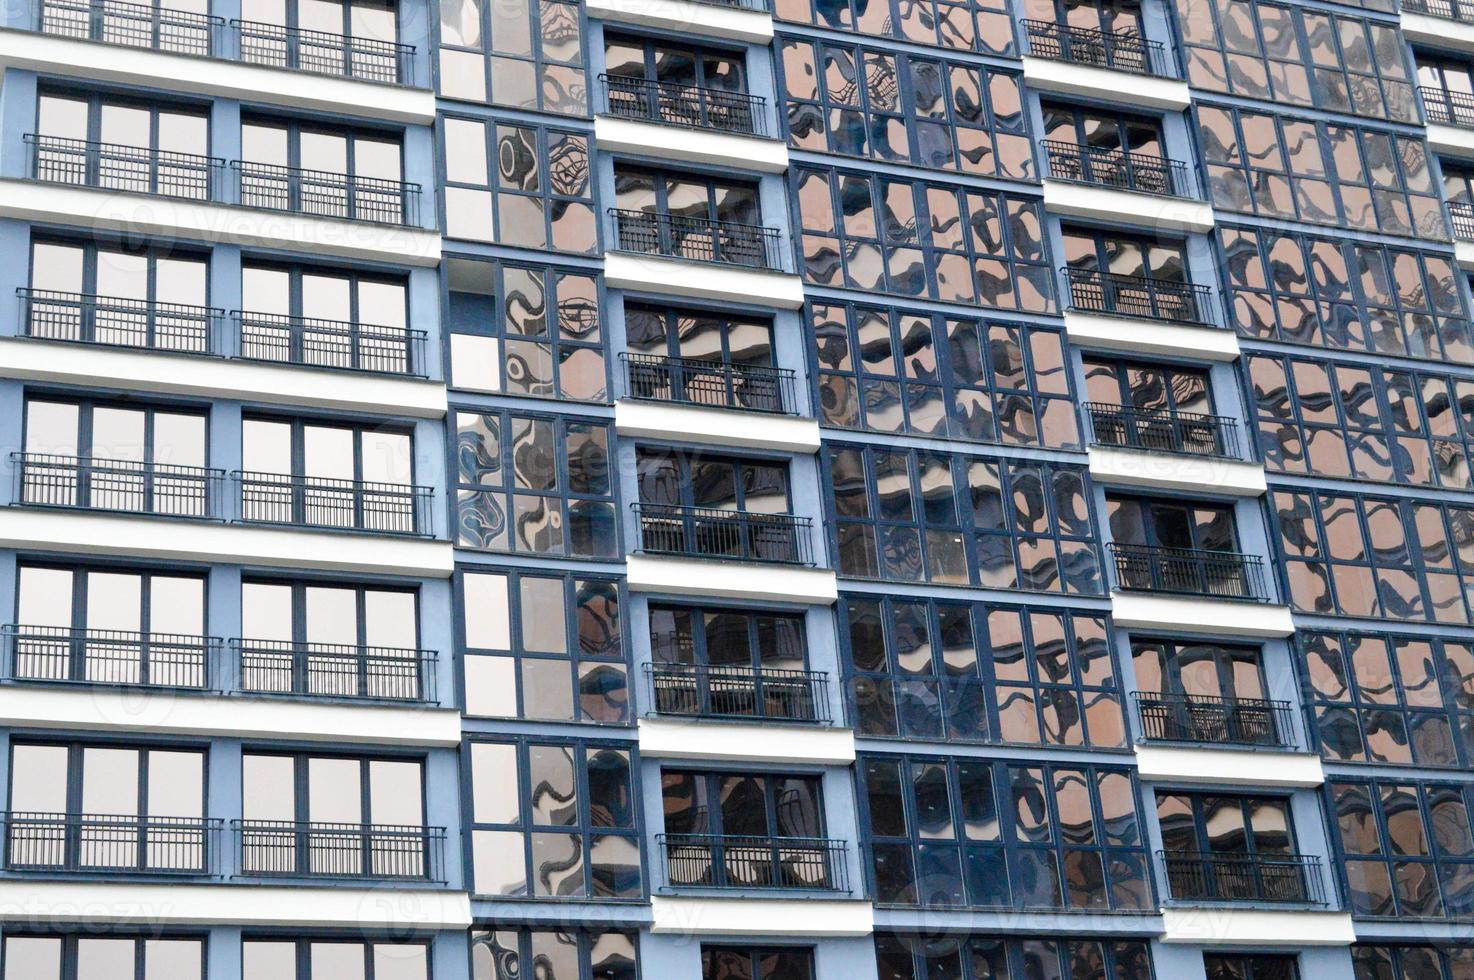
x=140 y=710
x=1109 y=204
x=679 y=738
x=687 y=16
x=83 y=533
x=147 y=904
x=1464 y=255
x=717 y=426
x=732 y=579
x=1451 y=141
x=139 y=214
x=778 y=918
x=1176 y=471
x=1255 y=927
x=648 y=139
x=1185 y=614
x=702 y=280
x=253 y=381
x=1219 y=765
x=127 y=65
x=1128 y=88
x=1142 y=336
x=1450 y=35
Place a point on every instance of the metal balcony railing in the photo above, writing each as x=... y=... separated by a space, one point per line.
x=691 y=106
x=117 y=321
x=118 y=844
x=709 y=861
x=328 y=195
x=114 y=657
x=1099 y=166
x=87 y=483
x=700 y=239
x=118 y=167
x=774 y=694
x=138 y=25
x=1189 y=571
x=1124 y=51
x=1445 y=108
x=1092 y=291
x=324 y=53
x=718 y=384
x=334 y=670
x=1461 y=216
x=1289 y=879
x=330 y=343
x=758 y=5
x=1444 y=9
x=289 y=849
x=1156 y=430
x=710 y=532
x=1201 y=719
x=324 y=502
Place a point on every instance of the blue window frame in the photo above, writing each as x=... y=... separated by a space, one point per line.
x=1378 y=961
x=899 y=956
x=527 y=57
x=985 y=26
x=30 y=956
x=557 y=954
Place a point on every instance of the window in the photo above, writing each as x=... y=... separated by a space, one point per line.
x=734 y=804
x=955 y=245
x=538 y=178
x=1390 y=699
x=1411 y=962
x=151 y=148
x=702 y=335
x=1120 y=254
x=671 y=63
x=919 y=373
x=1156 y=407
x=975 y=672
x=110 y=626
x=757 y=963
x=543 y=646
x=327 y=317
x=1250 y=966
x=102 y=957
x=691 y=197
x=1065 y=837
x=1375 y=557
x=739 y=638
x=980 y=957
x=311 y=34
x=1363 y=421
x=326 y=171
x=1099 y=129
x=1406 y=849
x=553 y=820
x=1231 y=826
x=1354 y=177
x=273 y=958
x=1153 y=523
x=862 y=102
x=970 y=25
x=681 y=478
x=532 y=331
x=533 y=484
x=1342 y=63
x=524 y=55
x=565 y=954
x=908 y=515
x=1345 y=295
x=1199 y=670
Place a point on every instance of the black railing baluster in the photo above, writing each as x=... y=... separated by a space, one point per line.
x=333 y=670
x=1190 y=433
x=118 y=321
x=1188 y=571
x=777 y=862
x=86 y=483
x=330 y=343
x=1290 y=879
x=776 y=694
x=312 y=501
x=692 y=106
x=1445 y=107
x=710 y=532
x=114 y=843
x=1124 y=51
x=1104 y=167
x=295 y=849
x=1093 y=291
x=701 y=239
x=694 y=381
x=1199 y=719
x=63 y=654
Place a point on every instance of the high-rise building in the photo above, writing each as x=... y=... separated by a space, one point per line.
x=737 y=490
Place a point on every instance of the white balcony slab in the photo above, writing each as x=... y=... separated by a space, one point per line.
x=1110 y=204
x=1125 y=88
x=679 y=143
x=775 y=918
x=1188 y=614
x=1449 y=35
x=80 y=901
x=702 y=280
x=1451 y=141
x=732 y=579
x=689 y=17
x=183 y=374
x=144 y=710
x=716 y=426
x=138 y=214
x=1255 y=927
x=1141 y=336
x=125 y=65
x=680 y=738
x=1176 y=471
x=84 y=533
x=1464 y=255
x=1218 y=765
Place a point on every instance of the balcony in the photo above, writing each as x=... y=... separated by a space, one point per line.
x=325 y=502
x=316 y=342
x=709 y=383
x=710 y=532
x=60 y=654
x=697 y=239
x=1461 y=216
x=322 y=53
x=1161 y=431
x=790 y=863
x=1442 y=9
x=765 y=694
x=686 y=106
x=1142 y=173
x=117 y=321
x=1198 y=719
x=131 y=169
x=135 y=25
x=1290 y=879
x=1442 y=107
x=1118 y=51
x=1145 y=297
x=1189 y=572
x=332 y=670
x=289 y=849
x=115 y=844
x=323 y=194
x=128 y=486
